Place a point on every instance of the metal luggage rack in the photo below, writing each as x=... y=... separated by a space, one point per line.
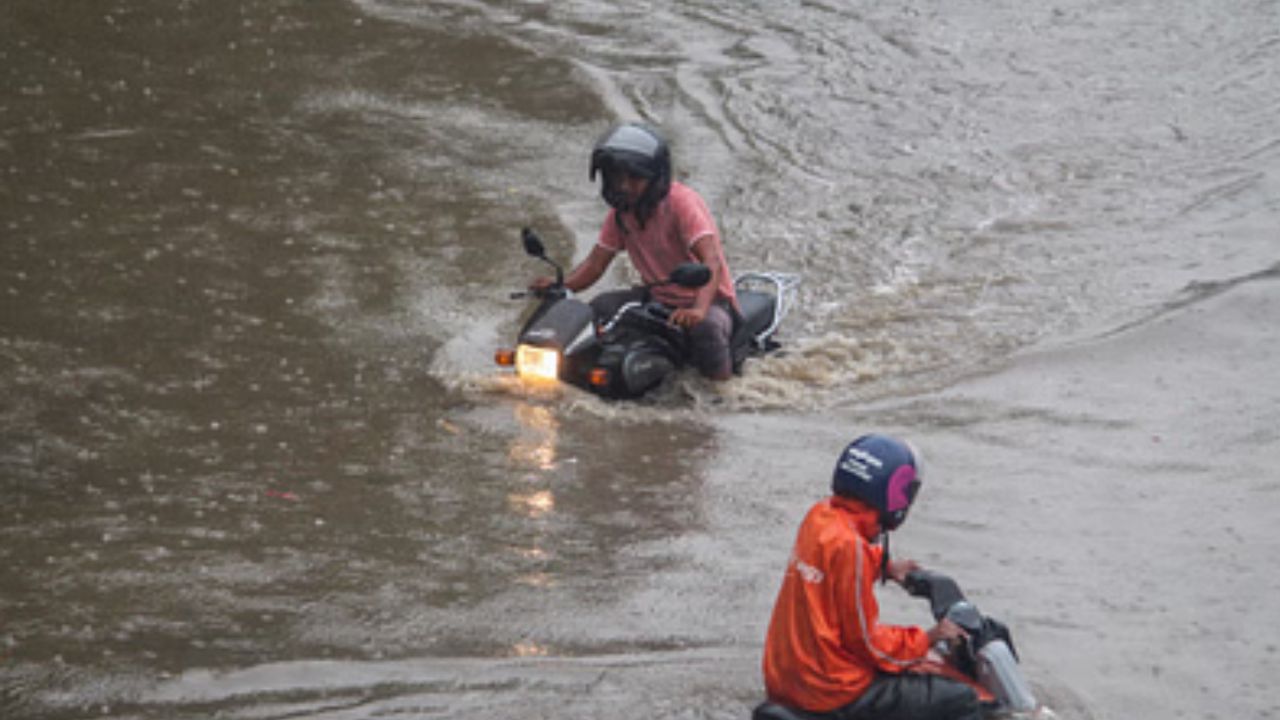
x=784 y=289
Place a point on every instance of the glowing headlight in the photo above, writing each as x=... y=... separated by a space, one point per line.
x=536 y=362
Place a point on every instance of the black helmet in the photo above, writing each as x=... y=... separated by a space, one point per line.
x=882 y=472
x=637 y=150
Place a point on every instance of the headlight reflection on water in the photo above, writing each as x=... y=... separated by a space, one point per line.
x=535 y=447
x=528 y=648
x=533 y=454
x=535 y=504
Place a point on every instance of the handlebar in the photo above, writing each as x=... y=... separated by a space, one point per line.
x=550 y=291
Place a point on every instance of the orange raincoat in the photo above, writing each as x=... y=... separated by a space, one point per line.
x=825 y=644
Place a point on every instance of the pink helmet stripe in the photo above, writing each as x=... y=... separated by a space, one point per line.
x=897 y=494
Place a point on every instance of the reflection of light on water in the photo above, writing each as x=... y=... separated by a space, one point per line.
x=536 y=417
x=503 y=383
x=528 y=648
x=540 y=454
x=533 y=553
x=535 y=504
x=537 y=579
x=541 y=579
x=536 y=447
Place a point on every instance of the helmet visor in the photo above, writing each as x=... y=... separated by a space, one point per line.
x=617 y=166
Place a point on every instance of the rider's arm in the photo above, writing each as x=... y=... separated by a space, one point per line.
x=892 y=648
x=945 y=630
x=708 y=253
x=590 y=269
x=585 y=274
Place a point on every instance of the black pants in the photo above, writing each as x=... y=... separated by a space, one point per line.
x=913 y=697
x=896 y=697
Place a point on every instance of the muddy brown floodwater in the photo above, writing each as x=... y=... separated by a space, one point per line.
x=255 y=257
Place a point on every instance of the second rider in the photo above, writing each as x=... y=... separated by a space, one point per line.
x=660 y=223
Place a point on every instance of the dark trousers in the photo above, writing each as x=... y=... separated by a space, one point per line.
x=895 y=697
x=913 y=697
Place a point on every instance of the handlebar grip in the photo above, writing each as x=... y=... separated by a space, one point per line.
x=917 y=583
x=537 y=292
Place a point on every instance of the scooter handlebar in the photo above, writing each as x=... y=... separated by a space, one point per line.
x=558 y=291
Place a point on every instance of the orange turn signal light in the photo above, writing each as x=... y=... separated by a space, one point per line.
x=599 y=377
x=506 y=357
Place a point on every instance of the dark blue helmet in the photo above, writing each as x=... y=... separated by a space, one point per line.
x=638 y=150
x=882 y=472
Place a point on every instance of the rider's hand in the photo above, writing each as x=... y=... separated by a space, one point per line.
x=541 y=283
x=688 y=317
x=898 y=569
x=945 y=631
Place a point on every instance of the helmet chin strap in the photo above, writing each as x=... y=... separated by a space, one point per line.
x=884 y=557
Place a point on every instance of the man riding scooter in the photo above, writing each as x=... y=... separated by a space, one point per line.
x=826 y=653
x=659 y=223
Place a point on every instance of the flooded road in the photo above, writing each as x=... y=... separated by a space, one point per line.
x=256 y=256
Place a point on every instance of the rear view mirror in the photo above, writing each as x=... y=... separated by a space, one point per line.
x=532 y=243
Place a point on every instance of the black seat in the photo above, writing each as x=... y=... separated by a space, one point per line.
x=757 y=314
x=757 y=311
x=773 y=711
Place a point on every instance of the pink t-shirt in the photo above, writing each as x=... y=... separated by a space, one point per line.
x=666 y=240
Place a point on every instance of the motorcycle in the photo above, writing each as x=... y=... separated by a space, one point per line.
x=632 y=352
x=985 y=660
